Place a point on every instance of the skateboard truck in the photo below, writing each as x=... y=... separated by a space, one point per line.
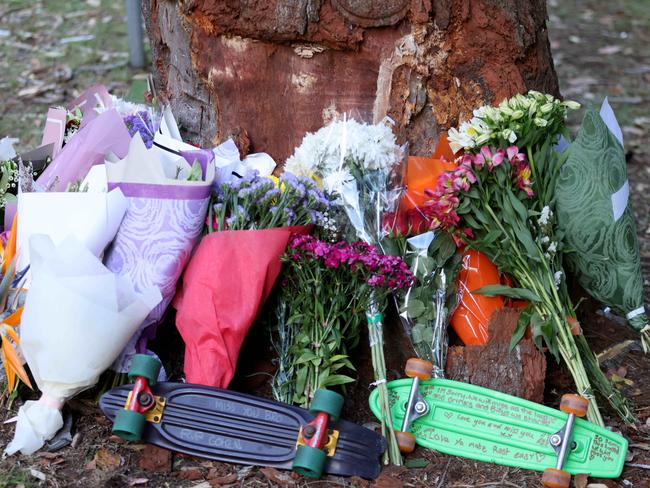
x=141 y=404
x=315 y=442
x=142 y=400
x=416 y=407
x=562 y=441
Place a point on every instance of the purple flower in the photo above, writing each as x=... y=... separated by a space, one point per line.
x=140 y=122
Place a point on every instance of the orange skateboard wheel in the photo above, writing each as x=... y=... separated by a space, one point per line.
x=405 y=441
x=556 y=478
x=418 y=368
x=575 y=404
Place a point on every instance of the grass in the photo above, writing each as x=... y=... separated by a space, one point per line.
x=601 y=49
x=52 y=50
x=16 y=477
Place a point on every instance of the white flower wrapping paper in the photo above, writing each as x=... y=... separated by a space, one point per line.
x=78 y=317
x=93 y=218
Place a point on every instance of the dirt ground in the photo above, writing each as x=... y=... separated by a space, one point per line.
x=50 y=50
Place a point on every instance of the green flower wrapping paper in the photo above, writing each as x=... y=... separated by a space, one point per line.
x=593 y=211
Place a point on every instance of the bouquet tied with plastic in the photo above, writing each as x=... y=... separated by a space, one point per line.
x=594 y=212
x=236 y=265
x=358 y=164
x=77 y=318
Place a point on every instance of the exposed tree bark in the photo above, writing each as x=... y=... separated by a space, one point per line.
x=519 y=372
x=275 y=69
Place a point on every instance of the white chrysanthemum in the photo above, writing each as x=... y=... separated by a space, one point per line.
x=371 y=147
x=123 y=107
x=335 y=180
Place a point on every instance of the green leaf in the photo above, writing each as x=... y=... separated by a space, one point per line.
x=518 y=206
x=491 y=236
x=301 y=379
x=522 y=325
x=306 y=357
x=417 y=463
x=336 y=379
x=415 y=308
x=197 y=173
x=507 y=291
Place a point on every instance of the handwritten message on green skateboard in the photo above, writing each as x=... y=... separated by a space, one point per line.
x=486 y=425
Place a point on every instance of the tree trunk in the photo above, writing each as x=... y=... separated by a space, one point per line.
x=275 y=69
x=268 y=71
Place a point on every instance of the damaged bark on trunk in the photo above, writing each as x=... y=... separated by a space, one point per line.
x=272 y=70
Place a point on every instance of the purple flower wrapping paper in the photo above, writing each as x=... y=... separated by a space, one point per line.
x=154 y=243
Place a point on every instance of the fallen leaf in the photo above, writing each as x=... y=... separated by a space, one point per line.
x=190 y=474
x=138 y=481
x=155 y=459
x=275 y=476
x=386 y=481
x=580 y=480
x=223 y=480
x=106 y=460
x=37 y=474
x=416 y=463
x=613 y=49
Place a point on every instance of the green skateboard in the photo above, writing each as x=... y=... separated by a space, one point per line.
x=486 y=425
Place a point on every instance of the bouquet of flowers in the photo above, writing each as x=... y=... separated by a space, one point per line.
x=327 y=288
x=426 y=306
x=357 y=163
x=500 y=201
x=10 y=313
x=236 y=265
x=599 y=225
x=77 y=318
x=167 y=205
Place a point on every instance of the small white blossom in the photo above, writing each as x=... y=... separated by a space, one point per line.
x=557 y=278
x=545 y=215
x=552 y=247
x=546 y=108
x=509 y=135
x=545 y=239
x=540 y=122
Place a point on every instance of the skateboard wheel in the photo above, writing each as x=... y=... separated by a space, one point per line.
x=418 y=368
x=556 y=478
x=328 y=402
x=129 y=425
x=145 y=366
x=405 y=441
x=309 y=461
x=575 y=404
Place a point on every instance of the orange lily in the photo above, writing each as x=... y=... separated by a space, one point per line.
x=10 y=250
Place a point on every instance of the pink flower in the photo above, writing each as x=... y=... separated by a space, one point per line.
x=463 y=178
x=523 y=177
x=497 y=159
x=467 y=160
x=514 y=156
x=446 y=182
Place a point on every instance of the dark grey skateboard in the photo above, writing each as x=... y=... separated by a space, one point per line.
x=233 y=427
